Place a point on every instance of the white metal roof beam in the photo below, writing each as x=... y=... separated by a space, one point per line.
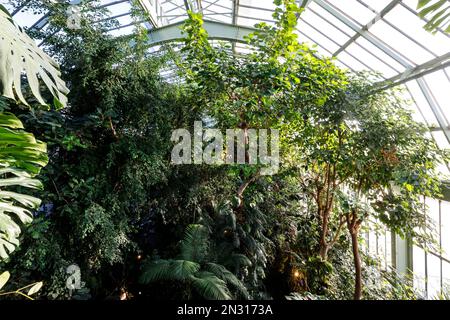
x=433 y=65
x=216 y=4
x=43 y=21
x=234 y=19
x=216 y=30
x=332 y=40
x=304 y=4
x=440 y=117
x=193 y=5
x=376 y=42
x=356 y=43
x=20 y=8
x=235 y=11
x=209 y=4
x=366 y=27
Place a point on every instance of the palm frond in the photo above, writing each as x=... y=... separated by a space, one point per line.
x=241 y=259
x=194 y=245
x=437 y=12
x=210 y=287
x=156 y=270
x=235 y=261
x=224 y=274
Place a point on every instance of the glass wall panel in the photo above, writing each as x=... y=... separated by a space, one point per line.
x=434 y=275
x=419 y=268
x=445 y=228
x=400 y=43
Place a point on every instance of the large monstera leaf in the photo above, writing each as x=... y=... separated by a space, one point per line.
x=19 y=55
x=21 y=159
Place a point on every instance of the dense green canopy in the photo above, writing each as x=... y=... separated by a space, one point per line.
x=138 y=226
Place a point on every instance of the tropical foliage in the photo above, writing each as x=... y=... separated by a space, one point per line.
x=210 y=280
x=437 y=12
x=19 y=53
x=139 y=227
x=21 y=158
x=21 y=155
x=31 y=288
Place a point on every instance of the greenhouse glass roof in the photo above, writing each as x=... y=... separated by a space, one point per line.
x=385 y=36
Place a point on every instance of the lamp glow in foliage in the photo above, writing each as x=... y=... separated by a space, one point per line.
x=21 y=155
x=210 y=280
x=19 y=53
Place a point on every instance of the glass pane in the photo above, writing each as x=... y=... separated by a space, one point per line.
x=388 y=248
x=352 y=62
x=27 y=18
x=413 y=25
x=354 y=10
x=434 y=275
x=266 y=4
x=381 y=253
x=377 y=5
x=400 y=43
x=303 y=37
x=440 y=88
x=446 y=275
x=318 y=10
x=441 y=139
x=380 y=54
x=372 y=244
x=371 y=61
x=334 y=29
x=118 y=8
x=419 y=269
x=445 y=228
x=422 y=103
x=433 y=214
x=245 y=14
x=322 y=38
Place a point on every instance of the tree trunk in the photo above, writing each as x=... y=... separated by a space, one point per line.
x=324 y=247
x=357 y=261
x=323 y=252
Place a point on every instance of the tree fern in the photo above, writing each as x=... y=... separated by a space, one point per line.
x=209 y=279
x=210 y=287
x=237 y=260
x=168 y=270
x=194 y=245
x=230 y=279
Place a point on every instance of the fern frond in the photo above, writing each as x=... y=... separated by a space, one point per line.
x=210 y=287
x=236 y=261
x=241 y=259
x=194 y=245
x=168 y=270
x=224 y=274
